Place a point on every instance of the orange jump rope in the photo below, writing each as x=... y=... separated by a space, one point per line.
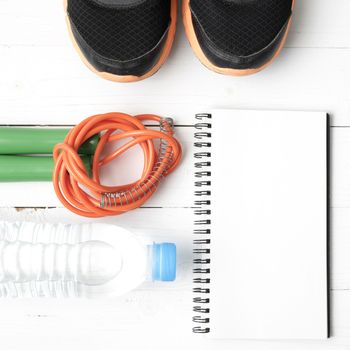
x=85 y=195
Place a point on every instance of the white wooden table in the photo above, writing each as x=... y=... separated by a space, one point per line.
x=42 y=81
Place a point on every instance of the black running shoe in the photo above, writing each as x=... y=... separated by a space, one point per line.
x=122 y=40
x=237 y=37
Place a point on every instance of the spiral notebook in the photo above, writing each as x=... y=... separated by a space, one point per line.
x=261 y=225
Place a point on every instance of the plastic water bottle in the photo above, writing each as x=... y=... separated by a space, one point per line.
x=89 y=260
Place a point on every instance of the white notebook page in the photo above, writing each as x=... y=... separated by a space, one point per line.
x=269 y=225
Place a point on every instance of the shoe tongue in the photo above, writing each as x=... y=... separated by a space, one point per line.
x=119 y=2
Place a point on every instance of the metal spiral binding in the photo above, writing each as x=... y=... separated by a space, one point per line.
x=165 y=159
x=202 y=225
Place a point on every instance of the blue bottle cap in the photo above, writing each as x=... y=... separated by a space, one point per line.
x=164 y=262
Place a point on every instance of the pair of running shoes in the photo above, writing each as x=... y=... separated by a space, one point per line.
x=129 y=40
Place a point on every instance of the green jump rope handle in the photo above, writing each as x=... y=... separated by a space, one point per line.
x=27 y=168
x=38 y=140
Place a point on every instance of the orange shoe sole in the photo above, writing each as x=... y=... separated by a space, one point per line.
x=130 y=78
x=191 y=35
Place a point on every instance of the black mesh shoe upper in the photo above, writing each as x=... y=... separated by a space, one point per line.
x=119 y=33
x=239 y=28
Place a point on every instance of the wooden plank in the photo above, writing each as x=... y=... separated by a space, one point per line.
x=340 y=168
x=175 y=224
x=314 y=24
x=52 y=85
x=165 y=309
x=142 y=314
x=65 y=91
x=339 y=249
x=177 y=189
